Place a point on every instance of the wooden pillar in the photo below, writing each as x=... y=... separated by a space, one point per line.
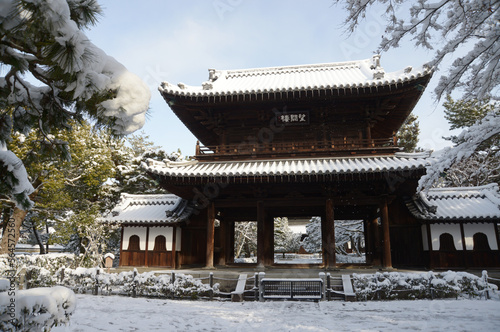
x=121 y=247
x=174 y=252
x=222 y=242
x=429 y=241
x=368 y=241
x=387 y=259
x=146 y=252
x=328 y=235
x=230 y=242
x=209 y=263
x=261 y=236
x=269 y=240
x=376 y=243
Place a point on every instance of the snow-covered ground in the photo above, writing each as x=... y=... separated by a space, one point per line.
x=112 y=313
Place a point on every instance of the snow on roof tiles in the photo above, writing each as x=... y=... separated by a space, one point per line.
x=458 y=203
x=167 y=208
x=338 y=75
x=290 y=167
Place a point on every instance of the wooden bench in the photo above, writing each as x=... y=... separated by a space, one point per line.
x=349 y=294
x=238 y=294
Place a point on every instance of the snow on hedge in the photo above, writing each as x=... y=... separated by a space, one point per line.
x=86 y=280
x=36 y=309
x=397 y=285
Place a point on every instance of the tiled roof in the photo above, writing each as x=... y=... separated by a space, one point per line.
x=289 y=167
x=337 y=76
x=166 y=208
x=457 y=203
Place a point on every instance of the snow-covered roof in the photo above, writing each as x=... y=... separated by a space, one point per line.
x=289 y=167
x=461 y=203
x=337 y=75
x=165 y=208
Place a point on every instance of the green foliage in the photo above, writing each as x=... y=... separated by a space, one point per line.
x=463 y=113
x=408 y=134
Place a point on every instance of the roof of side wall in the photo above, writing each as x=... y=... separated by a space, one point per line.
x=149 y=209
x=455 y=204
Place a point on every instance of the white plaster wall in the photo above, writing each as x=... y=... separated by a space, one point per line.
x=178 y=239
x=425 y=241
x=166 y=231
x=129 y=231
x=453 y=229
x=486 y=228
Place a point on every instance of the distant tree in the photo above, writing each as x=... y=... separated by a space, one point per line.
x=312 y=243
x=349 y=232
x=408 y=134
x=284 y=239
x=345 y=231
x=245 y=238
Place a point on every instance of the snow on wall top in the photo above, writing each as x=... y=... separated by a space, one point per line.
x=290 y=167
x=457 y=203
x=337 y=75
x=164 y=208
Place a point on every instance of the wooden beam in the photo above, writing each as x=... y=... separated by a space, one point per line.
x=261 y=236
x=174 y=252
x=209 y=263
x=387 y=261
x=230 y=242
x=328 y=235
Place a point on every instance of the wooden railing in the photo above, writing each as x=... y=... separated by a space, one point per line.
x=295 y=148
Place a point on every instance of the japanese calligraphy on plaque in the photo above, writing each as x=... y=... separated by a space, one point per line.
x=294 y=118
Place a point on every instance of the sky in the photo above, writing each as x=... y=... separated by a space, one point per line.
x=178 y=41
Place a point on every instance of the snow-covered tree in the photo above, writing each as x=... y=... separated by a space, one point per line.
x=444 y=27
x=450 y=28
x=62 y=185
x=408 y=134
x=349 y=231
x=52 y=74
x=312 y=243
x=483 y=166
x=130 y=153
x=284 y=239
x=245 y=238
x=345 y=231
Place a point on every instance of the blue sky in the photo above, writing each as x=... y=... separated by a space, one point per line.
x=177 y=41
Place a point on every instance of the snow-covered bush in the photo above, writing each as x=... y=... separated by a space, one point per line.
x=83 y=280
x=50 y=262
x=36 y=309
x=395 y=285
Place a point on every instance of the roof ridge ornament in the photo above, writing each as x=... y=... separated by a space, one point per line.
x=378 y=70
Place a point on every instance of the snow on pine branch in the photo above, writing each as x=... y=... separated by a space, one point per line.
x=470 y=140
x=446 y=26
x=42 y=39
